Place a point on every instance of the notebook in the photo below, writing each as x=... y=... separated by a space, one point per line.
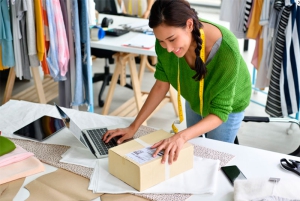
x=90 y=138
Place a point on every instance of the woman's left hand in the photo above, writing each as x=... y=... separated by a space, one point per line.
x=171 y=147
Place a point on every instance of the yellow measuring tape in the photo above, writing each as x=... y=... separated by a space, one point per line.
x=139 y=8
x=201 y=87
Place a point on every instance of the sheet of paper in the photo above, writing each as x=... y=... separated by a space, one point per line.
x=141 y=41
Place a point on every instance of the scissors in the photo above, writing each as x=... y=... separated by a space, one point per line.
x=290 y=165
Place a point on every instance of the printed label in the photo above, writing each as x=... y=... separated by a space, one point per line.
x=143 y=155
x=298 y=2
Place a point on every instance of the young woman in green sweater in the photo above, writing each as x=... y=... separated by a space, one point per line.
x=202 y=58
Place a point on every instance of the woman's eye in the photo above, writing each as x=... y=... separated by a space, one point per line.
x=171 y=40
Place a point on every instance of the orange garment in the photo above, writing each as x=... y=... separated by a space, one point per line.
x=21 y=169
x=39 y=29
x=255 y=28
x=46 y=40
x=1 y=65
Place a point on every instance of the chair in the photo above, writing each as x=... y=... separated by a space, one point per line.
x=107 y=7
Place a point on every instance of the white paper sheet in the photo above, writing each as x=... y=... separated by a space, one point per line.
x=201 y=179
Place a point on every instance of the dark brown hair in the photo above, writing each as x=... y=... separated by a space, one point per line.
x=176 y=13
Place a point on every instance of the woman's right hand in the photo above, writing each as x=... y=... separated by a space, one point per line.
x=122 y=133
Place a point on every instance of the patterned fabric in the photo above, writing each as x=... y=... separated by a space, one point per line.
x=51 y=154
x=247 y=13
x=273 y=106
x=289 y=78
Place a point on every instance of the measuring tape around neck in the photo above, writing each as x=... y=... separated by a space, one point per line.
x=201 y=87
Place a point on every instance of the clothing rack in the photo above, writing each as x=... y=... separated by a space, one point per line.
x=42 y=91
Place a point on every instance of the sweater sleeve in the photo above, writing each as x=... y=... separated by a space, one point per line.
x=222 y=93
x=159 y=72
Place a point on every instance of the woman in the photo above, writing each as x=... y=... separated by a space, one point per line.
x=216 y=91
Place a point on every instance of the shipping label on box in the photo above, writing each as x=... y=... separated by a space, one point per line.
x=132 y=162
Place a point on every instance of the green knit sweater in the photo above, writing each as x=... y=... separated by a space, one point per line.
x=227 y=85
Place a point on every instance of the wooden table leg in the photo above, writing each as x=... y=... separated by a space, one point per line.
x=113 y=83
x=135 y=83
x=9 y=85
x=38 y=85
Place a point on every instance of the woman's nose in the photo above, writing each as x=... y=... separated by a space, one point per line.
x=170 y=48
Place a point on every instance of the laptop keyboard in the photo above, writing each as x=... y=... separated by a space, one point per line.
x=96 y=136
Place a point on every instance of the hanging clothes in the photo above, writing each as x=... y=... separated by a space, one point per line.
x=65 y=96
x=46 y=38
x=247 y=12
x=62 y=43
x=78 y=98
x=273 y=105
x=40 y=44
x=16 y=40
x=290 y=74
x=6 y=38
x=86 y=54
x=52 y=60
x=235 y=16
x=31 y=35
x=21 y=6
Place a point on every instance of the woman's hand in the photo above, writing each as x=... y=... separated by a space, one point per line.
x=171 y=147
x=123 y=133
x=146 y=14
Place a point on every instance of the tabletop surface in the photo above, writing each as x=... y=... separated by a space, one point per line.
x=253 y=162
x=116 y=43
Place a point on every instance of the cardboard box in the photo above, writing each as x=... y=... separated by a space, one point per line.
x=129 y=162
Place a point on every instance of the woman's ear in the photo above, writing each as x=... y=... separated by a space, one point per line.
x=190 y=24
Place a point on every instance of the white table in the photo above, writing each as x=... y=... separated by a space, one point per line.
x=253 y=162
x=133 y=105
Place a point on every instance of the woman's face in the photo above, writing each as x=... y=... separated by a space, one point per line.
x=174 y=39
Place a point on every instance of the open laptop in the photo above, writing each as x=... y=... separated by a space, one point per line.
x=90 y=138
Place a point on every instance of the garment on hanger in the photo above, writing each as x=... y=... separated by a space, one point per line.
x=233 y=11
x=65 y=97
x=40 y=44
x=86 y=54
x=31 y=35
x=62 y=43
x=247 y=11
x=21 y=9
x=273 y=105
x=78 y=98
x=289 y=78
x=52 y=59
x=16 y=41
x=6 y=38
x=46 y=39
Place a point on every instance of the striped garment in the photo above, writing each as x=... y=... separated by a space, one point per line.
x=248 y=7
x=273 y=105
x=290 y=74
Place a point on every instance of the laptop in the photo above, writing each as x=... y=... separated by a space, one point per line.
x=90 y=138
